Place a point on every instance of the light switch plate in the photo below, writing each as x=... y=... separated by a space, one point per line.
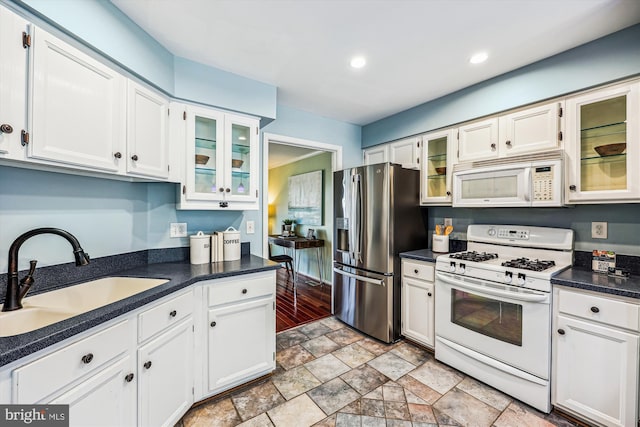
x=598 y=230
x=251 y=227
x=448 y=221
x=178 y=229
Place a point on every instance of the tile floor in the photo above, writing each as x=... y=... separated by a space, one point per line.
x=330 y=375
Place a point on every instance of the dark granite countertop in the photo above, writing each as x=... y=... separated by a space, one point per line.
x=421 y=255
x=180 y=275
x=586 y=279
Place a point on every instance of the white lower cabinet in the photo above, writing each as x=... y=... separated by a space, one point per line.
x=241 y=332
x=106 y=399
x=138 y=369
x=418 y=301
x=165 y=379
x=595 y=357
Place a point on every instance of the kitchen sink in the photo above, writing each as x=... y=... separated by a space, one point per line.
x=50 y=307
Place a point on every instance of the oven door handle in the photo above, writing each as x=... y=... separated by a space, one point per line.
x=379 y=282
x=532 y=297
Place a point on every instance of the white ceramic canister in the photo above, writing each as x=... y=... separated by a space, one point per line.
x=231 y=244
x=440 y=243
x=199 y=245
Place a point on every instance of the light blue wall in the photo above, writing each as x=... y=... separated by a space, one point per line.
x=612 y=57
x=623 y=223
x=300 y=124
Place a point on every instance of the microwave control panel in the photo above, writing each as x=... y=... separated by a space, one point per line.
x=543 y=183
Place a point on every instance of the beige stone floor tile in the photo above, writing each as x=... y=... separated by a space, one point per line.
x=364 y=379
x=419 y=389
x=344 y=336
x=393 y=393
x=299 y=412
x=295 y=382
x=327 y=367
x=484 y=393
x=330 y=421
x=397 y=411
x=222 y=413
x=437 y=376
x=353 y=355
x=391 y=365
x=256 y=400
x=466 y=409
x=261 y=420
x=411 y=353
x=333 y=395
x=320 y=346
x=517 y=415
x=421 y=413
x=293 y=356
x=333 y=323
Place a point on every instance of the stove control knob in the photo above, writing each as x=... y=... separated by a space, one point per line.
x=492 y=232
x=461 y=268
x=508 y=277
x=452 y=267
x=521 y=279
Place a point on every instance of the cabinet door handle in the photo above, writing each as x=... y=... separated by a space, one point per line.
x=128 y=378
x=493 y=147
x=147 y=364
x=6 y=128
x=213 y=324
x=429 y=293
x=244 y=291
x=415 y=271
x=134 y=157
x=595 y=309
x=228 y=190
x=173 y=313
x=561 y=331
x=448 y=193
x=572 y=188
x=87 y=358
x=508 y=143
x=117 y=155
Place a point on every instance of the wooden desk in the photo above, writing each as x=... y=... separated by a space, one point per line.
x=295 y=243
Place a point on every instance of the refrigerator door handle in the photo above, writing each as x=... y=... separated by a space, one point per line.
x=379 y=282
x=357 y=217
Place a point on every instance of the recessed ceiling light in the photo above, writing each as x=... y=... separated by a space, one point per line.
x=358 y=62
x=479 y=58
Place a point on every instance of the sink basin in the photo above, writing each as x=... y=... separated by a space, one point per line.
x=50 y=307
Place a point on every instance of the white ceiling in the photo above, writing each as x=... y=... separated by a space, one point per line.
x=281 y=154
x=417 y=50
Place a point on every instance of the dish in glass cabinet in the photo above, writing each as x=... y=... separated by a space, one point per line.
x=441 y=170
x=236 y=163
x=201 y=159
x=611 y=149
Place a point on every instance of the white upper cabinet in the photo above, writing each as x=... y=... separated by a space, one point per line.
x=406 y=152
x=147 y=132
x=377 y=154
x=603 y=129
x=77 y=107
x=437 y=162
x=13 y=83
x=530 y=130
x=221 y=164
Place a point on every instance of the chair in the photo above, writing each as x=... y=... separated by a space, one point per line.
x=286 y=259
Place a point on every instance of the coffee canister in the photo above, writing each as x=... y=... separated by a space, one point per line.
x=199 y=245
x=231 y=244
x=440 y=243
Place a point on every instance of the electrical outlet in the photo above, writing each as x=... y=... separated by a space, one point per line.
x=178 y=229
x=598 y=230
x=448 y=221
x=251 y=227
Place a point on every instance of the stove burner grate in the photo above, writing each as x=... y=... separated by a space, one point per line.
x=529 y=264
x=474 y=256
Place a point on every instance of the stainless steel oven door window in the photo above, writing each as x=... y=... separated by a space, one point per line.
x=522 y=340
x=487 y=316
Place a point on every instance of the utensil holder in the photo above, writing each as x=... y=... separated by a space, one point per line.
x=440 y=243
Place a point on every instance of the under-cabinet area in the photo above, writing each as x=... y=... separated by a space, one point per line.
x=147 y=367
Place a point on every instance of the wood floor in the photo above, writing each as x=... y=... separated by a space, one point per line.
x=306 y=304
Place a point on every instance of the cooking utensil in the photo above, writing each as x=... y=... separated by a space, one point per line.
x=448 y=229
x=438 y=229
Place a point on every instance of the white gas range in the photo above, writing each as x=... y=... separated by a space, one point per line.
x=493 y=316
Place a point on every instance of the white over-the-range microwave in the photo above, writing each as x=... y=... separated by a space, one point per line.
x=523 y=181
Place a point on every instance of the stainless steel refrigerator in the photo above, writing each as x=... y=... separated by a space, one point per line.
x=376 y=216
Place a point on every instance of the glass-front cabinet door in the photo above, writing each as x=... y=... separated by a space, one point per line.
x=241 y=161
x=602 y=145
x=204 y=154
x=435 y=183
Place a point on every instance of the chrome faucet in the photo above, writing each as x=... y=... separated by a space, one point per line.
x=15 y=291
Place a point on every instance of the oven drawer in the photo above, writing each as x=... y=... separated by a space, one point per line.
x=599 y=309
x=418 y=270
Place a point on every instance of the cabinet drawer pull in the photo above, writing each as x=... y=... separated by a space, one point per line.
x=147 y=364
x=508 y=143
x=5 y=128
x=244 y=291
x=429 y=293
x=448 y=193
x=87 y=358
x=128 y=378
x=572 y=188
x=493 y=147
x=213 y=324
x=173 y=313
x=415 y=271
x=117 y=155
x=595 y=309
x=134 y=157
x=561 y=331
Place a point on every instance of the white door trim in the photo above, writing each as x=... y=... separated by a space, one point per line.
x=267 y=138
